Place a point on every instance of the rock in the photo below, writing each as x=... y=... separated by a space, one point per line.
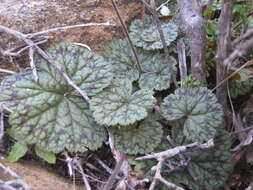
x=36 y=15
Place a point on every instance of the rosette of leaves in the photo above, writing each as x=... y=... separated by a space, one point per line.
x=241 y=84
x=120 y=55
x=145 y=34
x=156 y=73
x=119 y=105
x=50 y=113
x=200 y=109
x=139 y=138
x=209 y=168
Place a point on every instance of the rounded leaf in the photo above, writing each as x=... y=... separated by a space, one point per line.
x=139 y=138
x=50 y=113
x=199 y=106
x=89 y=71
x=145 y=34
x=210 y=167
x=47 y=156
x=18 y=151
x=118 y=105
x=241 y=86
x=120 y=55
x=156 y=73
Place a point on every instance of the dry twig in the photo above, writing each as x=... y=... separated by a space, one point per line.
x=182 y=58
x=32 y=35
x=32 y=65
x=162 y=156
x=14 y=53
x=122 y=165
x=9 y=185
x=127 y=35
x=7 y=71
x=1 y=125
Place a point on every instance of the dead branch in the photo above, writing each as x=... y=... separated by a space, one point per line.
x=22 y=48
x=7 y=71
x=127 y=35
x=163 y=4
x=240 y=50
x=247 y=129
x=158 y=177
x=122 y=165
x=191 y=14
x=182 y=58
x=177 y=150
x=80 y=169
x=9 y=185
x=245 y=36
x=1 y=126
x=162 y=156
x=32 y=65
x=32 y=35
x=114 y=174
x=224 y=45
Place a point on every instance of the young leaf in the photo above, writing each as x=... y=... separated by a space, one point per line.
x=47 y=156
x=210 y=167
x=145 y=34
x=120 y=55
x=18 y=150
x=118 y=105
x=199 y=107
x=50 y=113
x=157 y=74
x=139 y=138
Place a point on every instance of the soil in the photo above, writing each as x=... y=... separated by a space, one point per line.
x=29 y=16
x=38 y=177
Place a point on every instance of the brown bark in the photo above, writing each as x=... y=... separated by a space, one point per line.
x=191 y=14
x=224 y=45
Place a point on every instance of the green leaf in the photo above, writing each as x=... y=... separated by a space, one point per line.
x=191 y=81
x=139 y=138
x=243 y=86
x=47 y=156
x=157 y=74
x=120 y=55
x=118 y=105
x=177 y=132
x=50 y=113
x=210 y=167
x=18 y=150
x=144 y=33
x=88 y=70
x=203 y=115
